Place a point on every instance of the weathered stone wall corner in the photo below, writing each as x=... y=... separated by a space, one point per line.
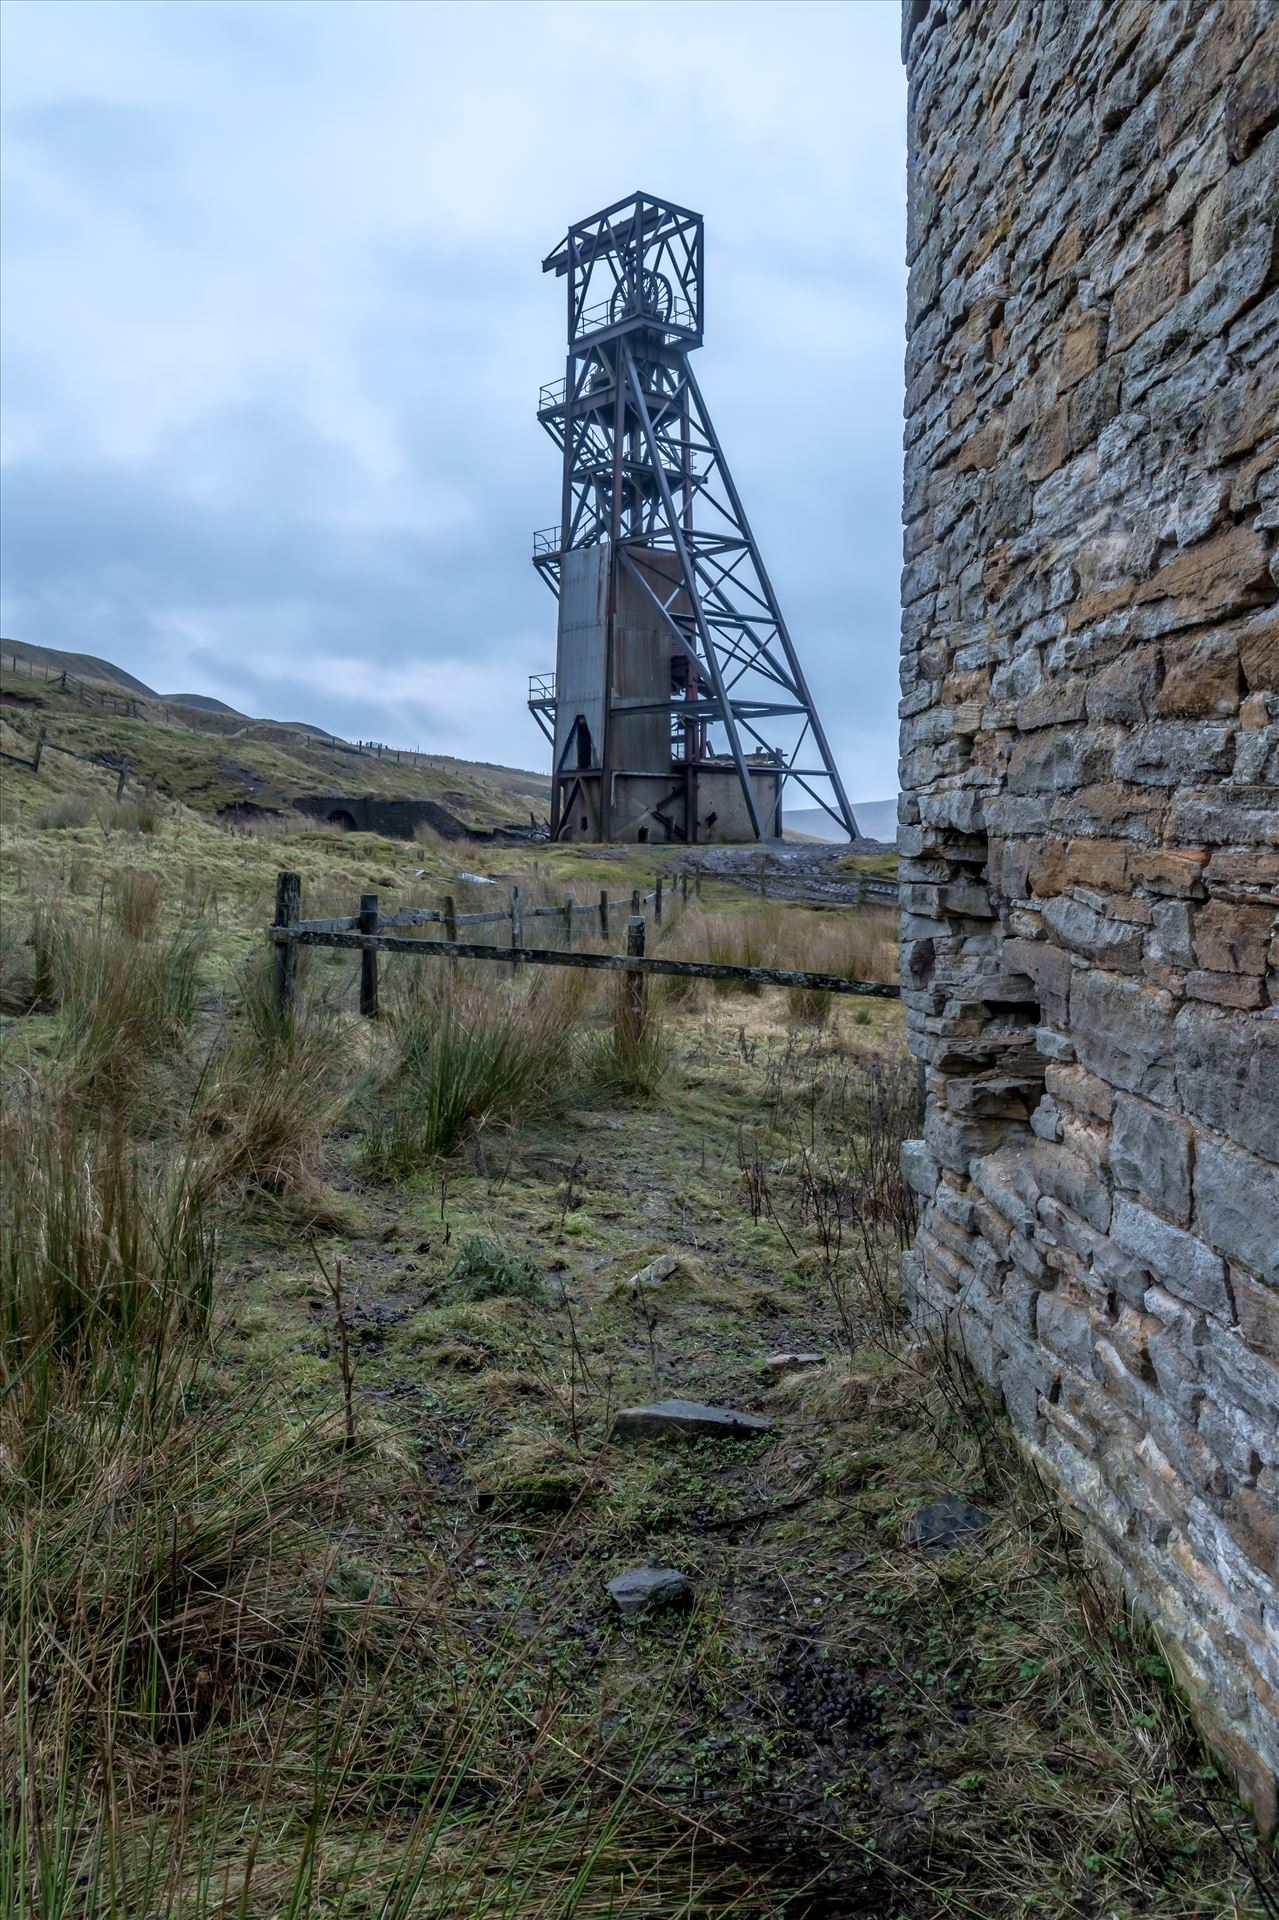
x=1089 y=832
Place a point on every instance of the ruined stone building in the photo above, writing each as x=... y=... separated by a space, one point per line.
x=1090 y=767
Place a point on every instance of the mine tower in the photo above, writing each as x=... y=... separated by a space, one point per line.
x=678 y=709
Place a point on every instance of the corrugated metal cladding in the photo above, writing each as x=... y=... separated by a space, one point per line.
x=580 y=651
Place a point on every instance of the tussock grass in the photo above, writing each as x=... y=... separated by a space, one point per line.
x=124 y=1003
x=487 y=1268
x=99 y=1245
x=69 y=810
x=467 y=1052
x=137 y=900
x=271 y=1091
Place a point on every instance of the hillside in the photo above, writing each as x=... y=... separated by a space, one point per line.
x=216 y=760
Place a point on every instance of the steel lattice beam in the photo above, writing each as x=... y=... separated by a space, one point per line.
x=643 y=469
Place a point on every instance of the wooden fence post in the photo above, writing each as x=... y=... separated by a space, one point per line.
x=568 y=919
x=368 y=957
x=517 y=924
x=637 y=905
x=450 y=917
x=119 y=785
x=634 y=984
x=288 y=911
x=697 y=881
x=762 y=887
x=35 y=763
x=657 y=900
x=604 y=914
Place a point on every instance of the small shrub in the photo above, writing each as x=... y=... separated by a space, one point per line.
x=68 y=810
x=487 y=1269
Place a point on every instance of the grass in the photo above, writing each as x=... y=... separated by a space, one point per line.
x=467 y=1051
x=247 y=1667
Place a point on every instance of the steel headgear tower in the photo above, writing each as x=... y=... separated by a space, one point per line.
x=670 y=636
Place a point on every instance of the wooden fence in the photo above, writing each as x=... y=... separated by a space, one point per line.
x=117 y=763
x=370 y=933
x=91 y=696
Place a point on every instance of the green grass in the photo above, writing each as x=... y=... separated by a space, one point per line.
x=251 y=1669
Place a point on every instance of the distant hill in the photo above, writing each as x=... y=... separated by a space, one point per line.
x=204 y=702
x=86 y=665
x=876 y=820
x=203 y=752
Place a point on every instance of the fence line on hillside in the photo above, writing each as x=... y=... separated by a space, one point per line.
x=117 y=763
x=366 y=932
x=92 y=696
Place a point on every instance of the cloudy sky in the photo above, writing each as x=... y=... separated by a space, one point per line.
x=274 y=325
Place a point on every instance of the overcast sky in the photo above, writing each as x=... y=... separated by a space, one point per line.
x=274 y=325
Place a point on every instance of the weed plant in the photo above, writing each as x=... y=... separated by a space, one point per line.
x=487 y=1268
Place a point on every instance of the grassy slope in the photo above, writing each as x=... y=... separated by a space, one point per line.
x=971 y=1735
x=213 y=760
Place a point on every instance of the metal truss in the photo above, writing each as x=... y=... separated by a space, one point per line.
x=644 y=468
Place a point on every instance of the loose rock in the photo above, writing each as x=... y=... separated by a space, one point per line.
x=689 y=1416
x=793 y=1362
x=945 y=1524
x=650 y=1589
x=654 y=1273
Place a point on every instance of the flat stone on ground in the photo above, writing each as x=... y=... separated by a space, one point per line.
x=649 y=1589
x=793 y=1362
x=946 y=1523
x=657 y=1270
x=688 y=1416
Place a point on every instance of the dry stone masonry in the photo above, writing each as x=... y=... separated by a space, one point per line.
x=1090 y=767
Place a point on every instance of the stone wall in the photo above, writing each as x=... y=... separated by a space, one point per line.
x=1090 y=759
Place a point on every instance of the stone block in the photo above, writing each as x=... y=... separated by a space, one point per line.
x=1061 y=759
x=1252 y=103
x=1241 y=1379
x=1257 y=1311
x=1259 y=651
x=1123 y=1031
x=1230 y=1438
x=1236 y=1197
x=919 y=1167
x=1151 y=1155
x=1182 y=1263
x=1069 y=1179
x=1178 y=1378
x=1067 y=1328
x=1201 y=675
x=1227 y=1073
x=1225 y=989
x=1082 y=1092
x=1081 y=929
x=1172 y=925
x=1170 y=753
x=1170 y=870
x=1230 y=938
x=1225 y=816
x=1148 y=291
x=1128 y=689
x=1222 y=575
x=1253 y=1519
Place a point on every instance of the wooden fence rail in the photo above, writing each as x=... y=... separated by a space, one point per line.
x=91 y=696
x=365 y=934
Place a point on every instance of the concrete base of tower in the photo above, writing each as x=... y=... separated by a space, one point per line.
x=702 y=805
